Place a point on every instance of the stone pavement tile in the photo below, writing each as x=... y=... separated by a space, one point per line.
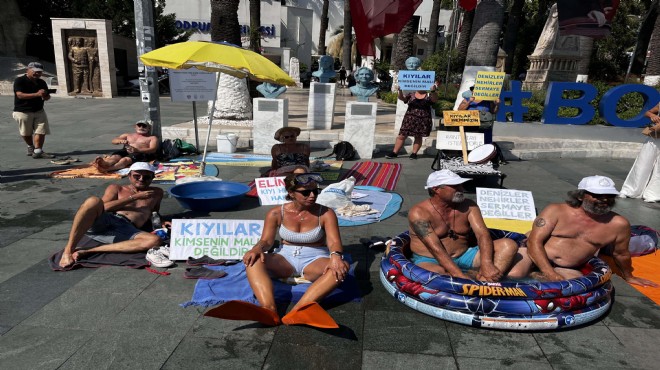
x=391 y=360
x=24 y=253
x=414 y=332
x=11 y=314
x=130 y=349
x=153 y=312
x=623 y=289
x=210 y=353
x=638 y=312
x=116 y=280
x=33 y=347
x=493 y=344
x=585 y=346
x=57 y=232
x=173 y=285
x=211 y=327
x=284 y=355
x=509 y=364
x=641 y=345
x=380 y=300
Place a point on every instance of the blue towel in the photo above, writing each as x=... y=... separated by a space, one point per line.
x=235 y=286
x=387 y=203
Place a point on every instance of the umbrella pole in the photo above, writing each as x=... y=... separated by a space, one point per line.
x=208 y=132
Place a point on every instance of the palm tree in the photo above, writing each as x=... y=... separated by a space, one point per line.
x=224 y=21
x=433 y=27
x=404 y=45
x=324 y=26
x=486 y=29
x=511 y=35
x=652 y=77
x=255 y=23
x=464 y=40
x=348 y=36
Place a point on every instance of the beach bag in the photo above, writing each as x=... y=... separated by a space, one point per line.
x=643 y=240
x=185 y=147
x=338 y=194
x=486 y=120
x=168 y=150
x=343 y=151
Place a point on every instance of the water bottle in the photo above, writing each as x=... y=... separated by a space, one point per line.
x=155 y=221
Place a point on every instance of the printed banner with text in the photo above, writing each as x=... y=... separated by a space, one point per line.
x=218 y=239
x=506 y=203
x=271 y=190
x=488 y=85
x=416 y=80
x=461 y=118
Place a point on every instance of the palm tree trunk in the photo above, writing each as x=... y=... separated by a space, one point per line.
x=486 y=29
x=404 y=45
x=464 y=40
x=652 y=77
x=255 y=23
x=433 y=27
x=511 y=35
x=224 y=21
x=348 y=37
x=324 y=26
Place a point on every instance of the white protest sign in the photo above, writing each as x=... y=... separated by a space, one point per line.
x=450 y=140
x=416 y=80
x=506 y=203
x=271 y=190
x=218 y=239
x=191 y=85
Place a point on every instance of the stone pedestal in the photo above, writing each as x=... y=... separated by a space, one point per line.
x=268 y=116
x=321 y=108
x=360 y=127
x=101 y=31
x=401 y=109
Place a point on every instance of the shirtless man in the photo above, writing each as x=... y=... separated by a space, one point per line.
x=140 y=146
x=111 y=223
x=441 y=225
x=565 y=236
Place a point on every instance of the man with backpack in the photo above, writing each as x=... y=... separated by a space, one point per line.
x=566 y=235
x=139 y=146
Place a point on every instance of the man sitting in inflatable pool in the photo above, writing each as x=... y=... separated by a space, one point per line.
x=566 y=235
x=440 y=230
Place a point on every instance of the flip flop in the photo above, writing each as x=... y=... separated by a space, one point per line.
x=310 y=314
x=203 y=273
x=239 y=310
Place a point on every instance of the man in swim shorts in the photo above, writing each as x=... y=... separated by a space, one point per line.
x=441 y=230
x=566 y=235
x=139 y=146
x=112 y=223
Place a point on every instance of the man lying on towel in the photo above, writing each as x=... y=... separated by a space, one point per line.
x=566 y=235
x=440 y=229
x=139 y=146
x=112 y=223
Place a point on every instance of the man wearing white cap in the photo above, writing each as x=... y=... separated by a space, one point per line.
x=441 y=231
x=566 y=235
x=112 y=223
x=138 y=146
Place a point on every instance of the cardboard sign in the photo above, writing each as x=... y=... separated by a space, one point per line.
x=488 y=85
x=218 y=239
x=449 y=140
x=506 y=203
x=271 y=190
x=461 y=117
x=191 y=85
x=416 y=80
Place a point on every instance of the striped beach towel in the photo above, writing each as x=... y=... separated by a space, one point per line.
x=382 y=175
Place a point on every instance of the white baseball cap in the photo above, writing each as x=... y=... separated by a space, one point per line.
x=598 y=185
x=443 y=177
x=142 y=166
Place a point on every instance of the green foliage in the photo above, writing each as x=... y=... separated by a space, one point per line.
x=381 y=66
x=438 y=62
x=388 y=97
x=446 y=4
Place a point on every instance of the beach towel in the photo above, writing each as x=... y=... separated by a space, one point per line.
x=387 y=204
x=84 y=171
x=646 y=267
x=169 y=172
x=94 y=260
x=382 y=175
x=235 y=286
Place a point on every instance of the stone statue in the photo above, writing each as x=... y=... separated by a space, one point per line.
x=413 y=63
x=233 y=105
x=547 y=39
x=326 y=71
x=94 y=70
x=79 y=66
x=271 y=91
x=365 y=86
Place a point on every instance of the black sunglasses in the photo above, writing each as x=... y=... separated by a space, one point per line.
x=307 y=192
x=141 y=125
x=139 y=176
x=288 y=136
x=598 y=196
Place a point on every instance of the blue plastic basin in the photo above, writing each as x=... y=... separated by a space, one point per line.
x=209 y=195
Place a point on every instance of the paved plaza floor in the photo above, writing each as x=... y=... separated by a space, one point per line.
x=122 y=318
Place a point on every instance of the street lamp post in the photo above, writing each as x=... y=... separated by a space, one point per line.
x=145 y=40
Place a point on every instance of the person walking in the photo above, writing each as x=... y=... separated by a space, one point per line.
x=30 y=93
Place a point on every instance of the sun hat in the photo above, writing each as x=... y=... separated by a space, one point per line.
x=142 y=166
x=598 y=185
x=143 y=122
x=36 y=66
x=282 y=130
x=443 y=177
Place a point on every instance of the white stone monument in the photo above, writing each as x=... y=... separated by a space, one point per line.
x=321 y=108
x=360 y=127
x=294 y=70
x=233 y=105
x=269 y=116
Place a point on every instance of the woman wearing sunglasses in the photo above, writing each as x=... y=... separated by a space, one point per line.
x=289 y=153
x=311 y=248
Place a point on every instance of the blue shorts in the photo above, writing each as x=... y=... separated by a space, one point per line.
x=109 y=228
x=464 y=261
x=300 y=256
